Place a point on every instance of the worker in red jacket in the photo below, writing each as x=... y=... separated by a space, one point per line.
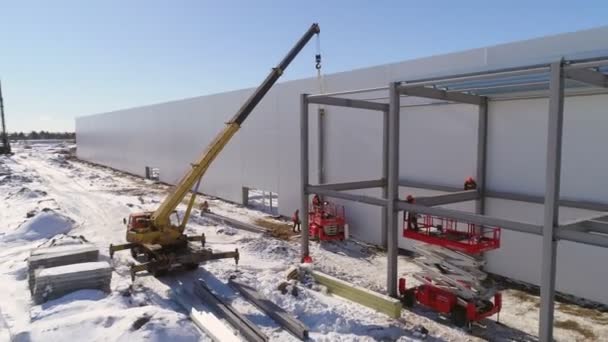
x=316 y=202
x=297 y=226
x=470 y=184
x=412 y=217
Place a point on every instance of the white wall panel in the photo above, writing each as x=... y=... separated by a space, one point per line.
x=438 y=145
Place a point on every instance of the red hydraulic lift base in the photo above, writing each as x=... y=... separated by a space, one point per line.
x=461 y=312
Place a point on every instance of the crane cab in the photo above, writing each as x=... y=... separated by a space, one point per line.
x=138 y=222
x=141 y=230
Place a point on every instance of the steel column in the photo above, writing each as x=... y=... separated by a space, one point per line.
x=393 y=189
x=552 y=185
x=321 y=147
x=482 y=141
x=304 y=173
x=384 y=213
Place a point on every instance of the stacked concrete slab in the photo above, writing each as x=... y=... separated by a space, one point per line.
x=56 y=271
x=59 y=256
x=58 y=281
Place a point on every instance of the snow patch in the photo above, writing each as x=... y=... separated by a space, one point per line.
x=27 y=193
x=272 y=249
x=42 y=226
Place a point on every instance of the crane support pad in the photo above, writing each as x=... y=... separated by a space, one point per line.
x=286 y=320
x=373 y=300
x=248 y=330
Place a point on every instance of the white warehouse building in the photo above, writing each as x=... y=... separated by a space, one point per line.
x=438 y=146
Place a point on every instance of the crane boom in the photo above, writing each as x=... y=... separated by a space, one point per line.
x=160 y=217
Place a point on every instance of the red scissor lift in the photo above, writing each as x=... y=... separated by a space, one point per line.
x=327 y=222
x=455 y=296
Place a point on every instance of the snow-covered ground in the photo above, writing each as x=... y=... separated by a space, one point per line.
x=47 y=199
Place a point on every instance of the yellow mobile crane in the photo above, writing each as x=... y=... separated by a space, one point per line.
x=158 y=236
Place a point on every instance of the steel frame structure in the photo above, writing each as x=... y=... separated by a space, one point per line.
x=552 y=80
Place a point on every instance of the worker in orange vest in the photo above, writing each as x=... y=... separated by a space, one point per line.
x=412 y=217
x=296 y=221
x=470 y=184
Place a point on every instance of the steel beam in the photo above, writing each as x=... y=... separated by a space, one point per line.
x=540 y=200
x=595 y=206
x=482 y=142
x=304 y=173
x=588 y=63
x=349 y=92
x=481 y=75
x=363 y=296
x=428 y=186
x=552 y=187
x=455 y=197
x=599 y=240
x=393 y=189
x=471 y=218
x=376 y=183
x=384 y=214
x=285 y=319
x=588 y=76
x=595 y=224
x=240 y=322
x=319 y=190
x=437 y=94
x=352 y=103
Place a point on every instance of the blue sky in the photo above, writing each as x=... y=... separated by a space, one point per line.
x=62 y=59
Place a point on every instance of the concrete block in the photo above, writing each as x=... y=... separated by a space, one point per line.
x=54 y=282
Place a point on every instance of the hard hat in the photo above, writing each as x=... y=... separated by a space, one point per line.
x=469 y=179
x=410 y=198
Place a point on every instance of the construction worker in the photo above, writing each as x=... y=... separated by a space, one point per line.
x=316 y=202
x=204 y=208
x=412 y=217
x=470 y=184
x=297 y=227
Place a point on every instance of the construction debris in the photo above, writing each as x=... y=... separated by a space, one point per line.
x=54 y=282
x=279 y=315
x=379 y=302
x=248 y=329
x=59 y=256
